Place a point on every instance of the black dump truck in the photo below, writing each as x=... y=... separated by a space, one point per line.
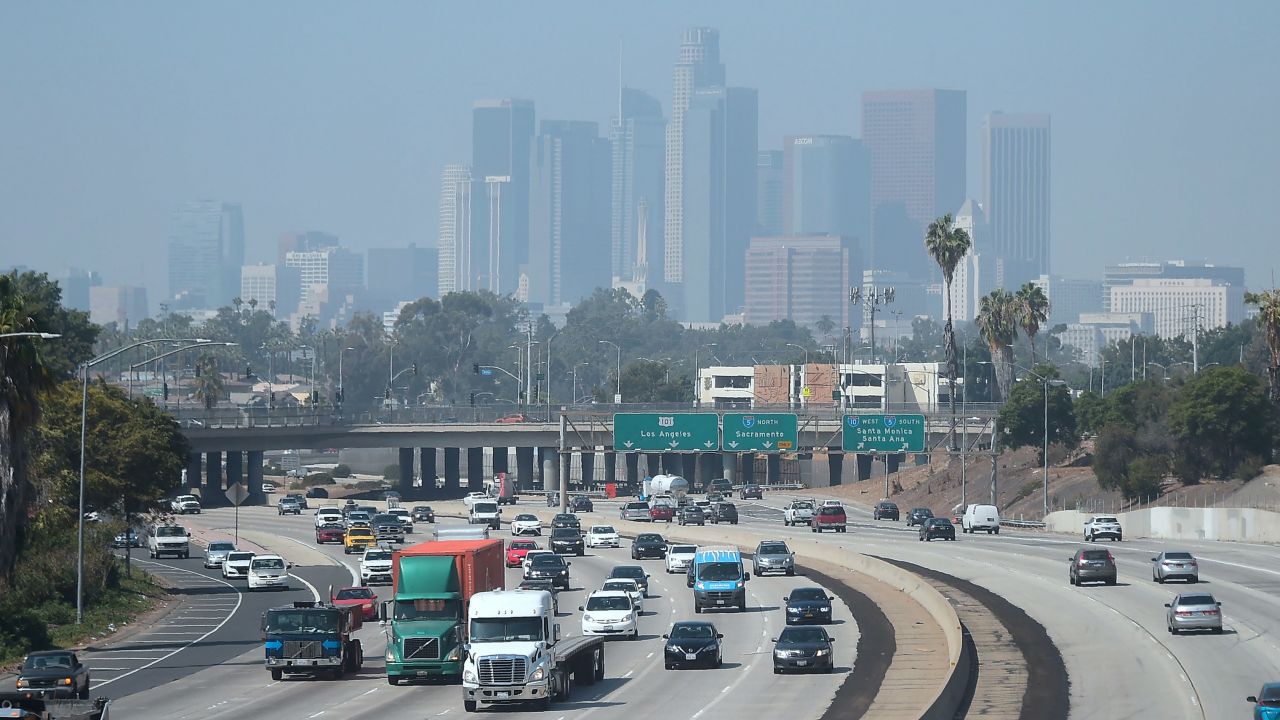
x=312 y=638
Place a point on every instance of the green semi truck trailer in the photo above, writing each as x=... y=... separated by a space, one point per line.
x=433 y=583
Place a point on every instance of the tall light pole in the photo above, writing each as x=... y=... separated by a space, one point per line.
x=1047 y=382
x=42 y=335
x=617 y=394
x=84 y=419
x=575 y=381
x=341 y=392
x=697 y=370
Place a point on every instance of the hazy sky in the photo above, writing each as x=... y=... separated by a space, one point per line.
x=339 y=116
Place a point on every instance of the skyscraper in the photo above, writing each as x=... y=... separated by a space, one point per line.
x=826 y=187
x=272 y=288
x=403 y=273
x=1015 y=184
x=769 y=182
x=125 y=305
x=454 y=241
x=638 y=137
x=719 y=200
x=206 y=251
x=571 y=197
x=335 y=271
x=917 y=143
x=309 y=241
x=501 y=145
x=697 y=67
x=801 y=279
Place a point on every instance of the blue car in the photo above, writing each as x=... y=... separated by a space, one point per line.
x=1266 y=704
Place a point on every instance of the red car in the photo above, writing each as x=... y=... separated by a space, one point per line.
x=828 y=517
x=518 y=549
x=517 y=418
x=665 y=513
x=360 y=596
x=329 y=533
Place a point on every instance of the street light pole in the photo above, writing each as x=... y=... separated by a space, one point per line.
x=341 y=394
x=697 y=370
x=617 y=394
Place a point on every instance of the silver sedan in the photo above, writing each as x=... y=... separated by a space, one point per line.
x=1171 y=565
x=1194 y=611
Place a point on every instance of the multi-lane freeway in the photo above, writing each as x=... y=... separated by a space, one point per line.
x=1119 y=660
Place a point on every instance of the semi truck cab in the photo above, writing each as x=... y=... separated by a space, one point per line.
x=312 y=638
x=508 y=657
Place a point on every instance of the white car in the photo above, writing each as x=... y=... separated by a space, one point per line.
x=268 y=572
x=236 y=565
x=603 y=536
x=268 y=488
x=610 y=613
x=184 y=504
x=679 y=557
x=528 y=559
x=628 y=586
x=1103 y=526
x=473 y=497
x=328 y=514
x=375 y=566
x=526 y=524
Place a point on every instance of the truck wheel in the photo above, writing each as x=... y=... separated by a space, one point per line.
x=393 y=680
x=277 y=675
x=697 y=609
x=470 y=706
x=997 y=531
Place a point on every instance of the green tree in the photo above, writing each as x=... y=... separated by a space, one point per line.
x=947 y=245
x=1268 y=303
x=997 y=323
x=1219 y=419
x=1031 y=309
x=1090 y=411
x=1121 y=462
x=208 y=381
x=42 y=300
x=1022 y=417
x=650 y=382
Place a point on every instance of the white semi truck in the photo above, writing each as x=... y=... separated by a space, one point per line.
x=516 y=654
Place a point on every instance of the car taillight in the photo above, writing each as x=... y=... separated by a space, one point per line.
x=1184 y=613
x=1211 y=612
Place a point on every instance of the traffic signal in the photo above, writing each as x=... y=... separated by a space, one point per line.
x=415 y=368
x=248 y=371
x=315 y=397
x=475 y=368
x=473 y=399
x=386 y=394
x=166 y=391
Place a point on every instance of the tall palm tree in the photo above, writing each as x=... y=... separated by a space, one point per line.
x=1268 y=303
x=997 y=323
x=1031 y=312
x=22 y=376
x=208 y=382
x=947 y=245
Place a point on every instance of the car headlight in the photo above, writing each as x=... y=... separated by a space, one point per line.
x=66 y=681
x=823 y=652
x=738 y=585
x=23 y=683
x=391 y=655
x=538 y=674
x=699 y=586
x=780 y=653
x=588 y=618
x=468 y=675
x=454 y=654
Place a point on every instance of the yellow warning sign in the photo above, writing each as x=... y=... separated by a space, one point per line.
x=807 y=391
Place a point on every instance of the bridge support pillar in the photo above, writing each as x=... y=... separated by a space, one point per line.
x=565 y=478
x=670 y=464
x=195 y=473
x=253 y=459
x=688 y=467
x=524 y=469
x=235 y=468
x=501 y=457
x=452 y=457
x=709 y=467
x=632 y=461
x=211 y=494
x=475 y=469
x=550 y=464
x=864 y=466
x=652 y=464
x=835 y=461
x=610 y=467
x=405 y=485
x=747 y=463
x=427 y=473
x=892 y=461
x=773 y=468
x=588 y=468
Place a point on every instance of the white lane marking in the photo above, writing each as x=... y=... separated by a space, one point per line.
x=239 y=598
x=627 y=674
x=646 y=657
x=370 y=691
x=314 y=592
x=355 y=575
x=316 y=715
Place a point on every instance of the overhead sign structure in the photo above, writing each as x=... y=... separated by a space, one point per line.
x=759 y=432
x=883 y=433
x=675 y=432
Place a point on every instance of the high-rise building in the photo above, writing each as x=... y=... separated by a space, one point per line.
x=1069 y=297
x=826 y=187
x=336 y=271
x=719 y=196
x=405 y=273
x=501 y=151
x=454 y=242
x=917 y=143
x=124 y=305
x=1127 y=272
x=697 y=67
x=769 y=193
x=1015 y=184
x=273 y=288
x=802 y=279
x=638 y=139
x=309 y=241
x=571 y=197
x=75 y=287
x=1181 y=307
x=206 y=252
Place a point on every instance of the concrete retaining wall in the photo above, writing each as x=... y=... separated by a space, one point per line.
x=1174 y=523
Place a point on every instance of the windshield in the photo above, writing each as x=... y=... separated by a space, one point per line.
x=564 y=534
x=548 y=560
x=1096 y=554
x=1270 y=694
x=301 y=621
x=939 y=522
x=354 y=594
x=807 y=594
x=385 y=519
x=648 y=538
x=221 y=547
x=526 y=517
x=683 y=549
x=41 y=662
x=524 y=545
x=627 y=586
x=627 y=571
x=773 y=549
x=427 y=610
x=690 y=632
x=609 y=602
x=602 y=530
x=357 y=515
x=637 y=506
x=485 y=507
x=378 y=555
x=268 y=564
x=523 y=629
x=1106 y=520
x=171 y=532
x=802 y=506
x=802 y=635
x=720 y=571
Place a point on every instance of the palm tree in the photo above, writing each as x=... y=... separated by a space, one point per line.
x=1268 y=303
x=947 y=245
x=208 y=382
x=1032 y=310
x=997 y=323
x=23 y=376
x=824 y=325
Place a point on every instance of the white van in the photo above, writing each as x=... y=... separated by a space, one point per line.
x=981 y=517
x=486 y=512
x=268 y=571
x=168 y=540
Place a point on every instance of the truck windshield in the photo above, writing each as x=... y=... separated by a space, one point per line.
x=485 y=507
x=301 y=621
x=427 y=610
x=520 y=629
x=171 y=532
x=720 y=571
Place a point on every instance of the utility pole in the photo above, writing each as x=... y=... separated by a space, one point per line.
x=871 y=299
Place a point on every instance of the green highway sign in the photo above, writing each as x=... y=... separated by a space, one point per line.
x=883 y=433
x=673 y=432
x=759 y=432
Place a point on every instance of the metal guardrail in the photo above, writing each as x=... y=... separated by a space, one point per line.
x=1022 y=523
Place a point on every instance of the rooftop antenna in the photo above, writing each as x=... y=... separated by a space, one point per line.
x=619 y=80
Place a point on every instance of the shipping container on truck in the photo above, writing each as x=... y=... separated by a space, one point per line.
x=432 y=586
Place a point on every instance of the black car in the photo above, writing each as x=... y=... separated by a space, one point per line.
x=566 y=520
x=45 y=675
x=581 y=503
x=885 y=511
x=317 y=493
x=691 y=515
x=808 y=605
x=566 y=540
x=917 y=516
x=692 y=644
x=937 y=528
x=803 y=649
x=632 y=572
x=549 y=567
x=423 y=513
x=648 y=545
x=724 y=512
x=750 y=492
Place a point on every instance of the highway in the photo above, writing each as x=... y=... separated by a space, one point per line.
x=227 y=686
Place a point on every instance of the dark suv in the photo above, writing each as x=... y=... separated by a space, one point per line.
x=724 y=512
x=918 y=516
x=691 y=515
x=885 y=511
x=751 y=492
x=567 y=540
x=1092 y=566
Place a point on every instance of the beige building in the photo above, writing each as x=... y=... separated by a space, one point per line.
x=1180 y=307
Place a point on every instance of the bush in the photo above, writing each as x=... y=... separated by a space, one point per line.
x=319 y=478
x=391 y=472
x=1250 y=467
x=342 y=471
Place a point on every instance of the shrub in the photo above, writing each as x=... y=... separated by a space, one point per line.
x=319 y=478
x=342 y=471
x=391 y=472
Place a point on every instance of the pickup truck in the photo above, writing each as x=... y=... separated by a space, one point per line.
x=799 y=512
x=185 y=504
x=829 y=517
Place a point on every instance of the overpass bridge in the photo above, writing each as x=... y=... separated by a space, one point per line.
x=448 y=443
